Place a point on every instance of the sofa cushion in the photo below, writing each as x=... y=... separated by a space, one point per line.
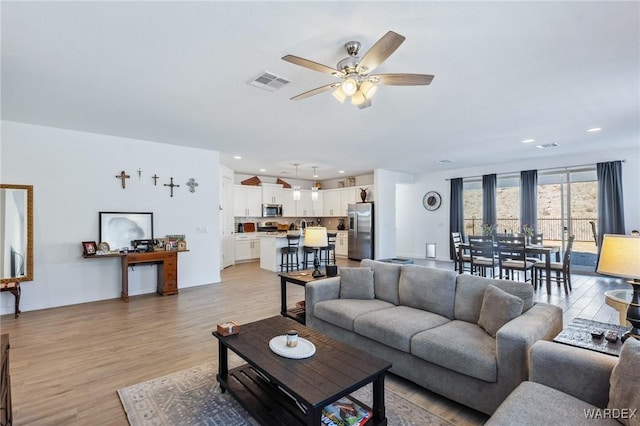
x=470 y=294
x=625 y=378
x=342 y=312
x=356 y=283
x=534 y=404
x=498 y=308
x=386 y=277
x=396 y=326
x=429 y=289
x=459 y=346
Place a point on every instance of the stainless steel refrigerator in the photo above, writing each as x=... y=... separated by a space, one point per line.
x=360 y=231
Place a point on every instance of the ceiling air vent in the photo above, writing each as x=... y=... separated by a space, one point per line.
x=269 y=81
x=547 y=145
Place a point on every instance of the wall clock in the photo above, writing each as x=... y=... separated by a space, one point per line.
x=431 y=200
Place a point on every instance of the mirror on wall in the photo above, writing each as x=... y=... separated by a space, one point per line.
x=16 y=232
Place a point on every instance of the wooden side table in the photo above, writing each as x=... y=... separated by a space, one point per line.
x=13 y=288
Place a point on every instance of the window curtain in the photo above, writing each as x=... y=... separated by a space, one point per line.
x=489 y=210
x=610 y=199
x=529 y=199
x=456 y=212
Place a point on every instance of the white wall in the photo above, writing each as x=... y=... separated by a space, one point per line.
x=385 y=184
x=421 y=226
x=73 y=174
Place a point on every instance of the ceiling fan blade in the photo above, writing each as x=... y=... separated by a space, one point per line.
x=403 y=79
x=380 y=51
x=310 y=64
x=315 y=91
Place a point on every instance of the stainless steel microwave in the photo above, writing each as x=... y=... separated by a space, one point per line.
x=272 y=210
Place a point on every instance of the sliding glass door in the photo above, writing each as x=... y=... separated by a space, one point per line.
x=567 y=205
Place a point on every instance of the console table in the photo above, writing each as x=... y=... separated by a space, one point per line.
x=167 y=262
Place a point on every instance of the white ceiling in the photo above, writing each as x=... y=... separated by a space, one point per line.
x=177 y=72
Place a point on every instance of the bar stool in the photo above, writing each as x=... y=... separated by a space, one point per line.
x=306 y=261
x=330 y=250
x=288 y=253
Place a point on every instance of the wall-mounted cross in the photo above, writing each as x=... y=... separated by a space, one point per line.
x=155 y=179
x=192 y=185
x=139 y=173
x=122 y=176
x=172 y=185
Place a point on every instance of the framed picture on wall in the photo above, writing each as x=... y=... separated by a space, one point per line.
x=118 y=229
x=89 y=248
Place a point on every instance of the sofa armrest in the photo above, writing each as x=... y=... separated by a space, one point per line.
x=515 y=338
x=578 y=372
x=317 y=291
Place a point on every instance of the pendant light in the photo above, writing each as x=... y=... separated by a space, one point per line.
x=314 y=189
x=296 y=188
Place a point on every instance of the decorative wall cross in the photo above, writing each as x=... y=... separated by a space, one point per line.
x=139 y=173
x=155 y=179
x=192 y=185
x=122 y=176
x=172 y=185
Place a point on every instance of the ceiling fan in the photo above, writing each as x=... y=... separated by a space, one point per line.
x=354 y=72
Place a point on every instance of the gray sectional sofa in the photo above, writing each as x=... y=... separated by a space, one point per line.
x=462 y=336
x=575 y=386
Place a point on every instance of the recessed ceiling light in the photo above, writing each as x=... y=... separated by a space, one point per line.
x=341 y=171
x=237 y=157
x=443 y=161
x=528 y=140
x=263 y=170
x=594 y=129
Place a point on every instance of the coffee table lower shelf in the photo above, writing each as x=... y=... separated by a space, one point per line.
x=266 y=402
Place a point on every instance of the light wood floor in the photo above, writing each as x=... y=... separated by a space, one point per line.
x=68 y=362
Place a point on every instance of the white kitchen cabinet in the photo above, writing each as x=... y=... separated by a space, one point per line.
x=331 y=200
x=247 y=247
x=288 y=204
x=272 y=193
x=336 y=201
x=306 y=207
x=247 y=201
x=342 y=243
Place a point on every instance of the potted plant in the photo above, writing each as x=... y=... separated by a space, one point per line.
x=528 y=232
x=489 y=228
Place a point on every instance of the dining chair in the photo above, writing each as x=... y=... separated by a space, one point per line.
x=512 y=257
x=456 y=239
x=560 y=271
x=482 y=257
x=536 y=239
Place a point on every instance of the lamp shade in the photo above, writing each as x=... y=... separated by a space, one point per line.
x=620 y=256
x=315 y=236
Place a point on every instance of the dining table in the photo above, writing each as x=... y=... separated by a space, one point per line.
x=532 y=249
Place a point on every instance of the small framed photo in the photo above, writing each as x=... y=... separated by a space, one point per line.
x=182 y=245
x=104 y=247
x=89 y=248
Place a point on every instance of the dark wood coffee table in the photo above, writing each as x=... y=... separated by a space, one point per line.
x=283 y=391
x=578 y=333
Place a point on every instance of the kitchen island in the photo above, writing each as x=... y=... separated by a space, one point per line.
x=270 y=245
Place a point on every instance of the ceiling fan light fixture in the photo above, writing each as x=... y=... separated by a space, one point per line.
x=349 y=87
x=368 y=89
x=339 y=94
x=358 y=98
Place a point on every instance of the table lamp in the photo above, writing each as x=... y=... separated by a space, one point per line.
x=316 y=237
x=620 y=257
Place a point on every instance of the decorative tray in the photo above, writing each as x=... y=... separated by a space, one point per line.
x=305 y=348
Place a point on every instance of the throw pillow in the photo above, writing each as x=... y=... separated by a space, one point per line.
x=498 y=308
x=356 y=283
x=623 y=393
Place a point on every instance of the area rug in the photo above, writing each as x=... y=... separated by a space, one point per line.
x=193 y=397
